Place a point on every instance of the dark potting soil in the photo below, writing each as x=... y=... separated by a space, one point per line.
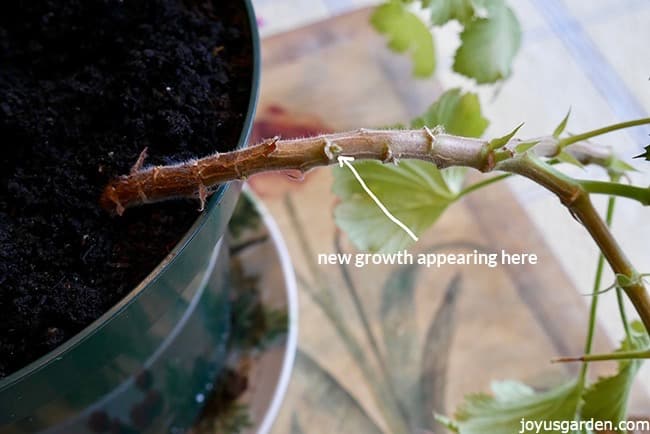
x=85 y=85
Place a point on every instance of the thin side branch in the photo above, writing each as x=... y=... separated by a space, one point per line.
x=198 y=178
x=621 y=355
x=640 y=194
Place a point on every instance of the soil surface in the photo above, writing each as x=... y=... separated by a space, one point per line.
x=84 y=87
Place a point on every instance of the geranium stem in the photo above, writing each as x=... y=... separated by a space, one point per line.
x=198 y=177
x=577 y=200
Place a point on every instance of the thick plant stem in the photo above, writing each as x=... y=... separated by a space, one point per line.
x=636 y=290
x=577 y=200
x=198 y=178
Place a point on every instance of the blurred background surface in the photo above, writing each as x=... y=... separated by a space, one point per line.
x=590 y=55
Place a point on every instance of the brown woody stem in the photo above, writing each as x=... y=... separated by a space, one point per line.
x=198 y=178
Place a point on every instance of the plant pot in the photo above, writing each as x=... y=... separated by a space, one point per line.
x=144 y=364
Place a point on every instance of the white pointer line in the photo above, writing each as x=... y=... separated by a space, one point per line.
x=346 y=160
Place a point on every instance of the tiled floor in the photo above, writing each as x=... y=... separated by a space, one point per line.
x=590 y=55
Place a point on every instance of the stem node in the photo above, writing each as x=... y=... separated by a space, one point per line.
x=331 y=149
x=573 y=198
x=387 y=157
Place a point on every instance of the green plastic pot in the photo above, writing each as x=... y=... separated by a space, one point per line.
x=147 y=364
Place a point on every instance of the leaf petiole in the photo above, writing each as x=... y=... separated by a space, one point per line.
x=621 y=355
x=600 y=131
x=640 y=194
x=481 y=184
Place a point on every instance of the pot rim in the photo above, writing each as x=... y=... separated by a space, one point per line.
x=213 y=202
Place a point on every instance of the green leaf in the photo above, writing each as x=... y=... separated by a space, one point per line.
x=488 y=45
x=430 y=190
x=459 y=113
x=560 y=128
x=500 y=142
x=607 y=398
x=443 y=11
x=512 y=401
x=415 y=192
x=525 y=146
x=624 y=281
x=645 y=154
x=406 y=32
x=446 y=422
x=617 y=167
x=565 y=157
